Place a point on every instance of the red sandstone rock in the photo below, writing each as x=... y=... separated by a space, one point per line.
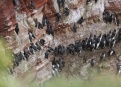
x=113 y=5
x=7 y=10
x=7 y=14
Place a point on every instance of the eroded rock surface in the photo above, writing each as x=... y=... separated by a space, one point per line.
x=92 y=14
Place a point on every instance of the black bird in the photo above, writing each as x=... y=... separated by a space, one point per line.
x=96 y=1
x=34 y=46
x=111 y=52
x=15 y=2
x=92 y=62
x=49 y=30
x=74 y=29
x=71 y=49
x=119 y=35
x=58 y=16
x=110 y=18
x=46 y=54
x=32 y=5
x=88 y=1
x=61 y=50
x=56 y=51
x=50 y=49
x=107 y=17
x=17 y=59
x=17 y=29
x=21 y=54
x=89 y=43
x=42 y=42
x=117 y=20
x=83 y=44
x=98 y=41
x=16 y=62
x=54 y=61
x=40 y=25
x=66 y=11
x=38 y=46
x=59 y=3
x=93 y=45
x=30 y=49
x=31 y=36
x=61 y=63
x=36 y=22
x=81 y=20
x=102 y=57
x=103 y=42
x=45 y=21
x=118 y=68
x=78 y=47
x=63 y=2
x=112 y=43
x=113 y=34
x=17 y=56
x=26 y=55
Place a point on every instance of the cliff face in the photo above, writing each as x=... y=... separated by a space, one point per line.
x=8 y=16
x=92 y=14
x=63 y=33
x=78 y=7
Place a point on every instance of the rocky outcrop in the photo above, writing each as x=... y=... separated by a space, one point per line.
x=7 y=16
x=79 y=7
x=90 y=11
x=92 y=14
x=8 y=13
x=24 y=16
x=113 y=5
